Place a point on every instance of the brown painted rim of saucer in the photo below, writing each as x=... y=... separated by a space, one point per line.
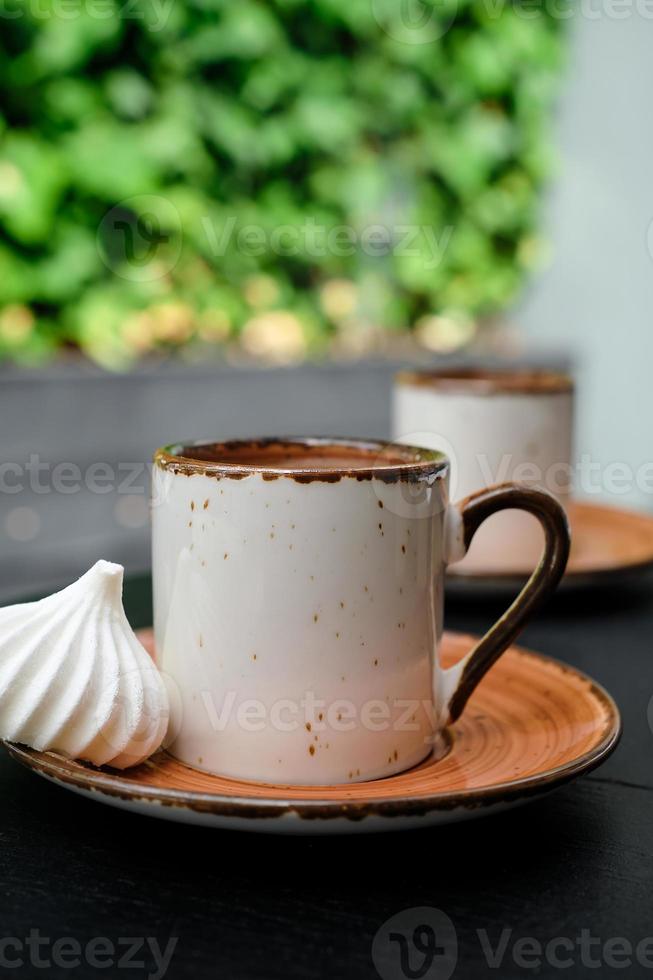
x=402 y=803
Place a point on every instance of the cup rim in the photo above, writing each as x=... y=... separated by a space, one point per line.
x=420 y=463
x=489 y=381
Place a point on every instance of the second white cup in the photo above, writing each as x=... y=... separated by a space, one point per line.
x=494 y=425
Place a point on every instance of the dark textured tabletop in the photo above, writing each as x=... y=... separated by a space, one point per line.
x=560 y=887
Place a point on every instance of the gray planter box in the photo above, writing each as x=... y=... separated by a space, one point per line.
x=56 y=520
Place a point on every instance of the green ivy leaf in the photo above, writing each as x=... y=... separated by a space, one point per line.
x=33 y=176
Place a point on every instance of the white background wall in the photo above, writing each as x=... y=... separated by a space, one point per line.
x=596 y=299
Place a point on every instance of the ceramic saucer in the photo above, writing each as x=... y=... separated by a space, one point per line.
x=532 y=724
x=607 y=546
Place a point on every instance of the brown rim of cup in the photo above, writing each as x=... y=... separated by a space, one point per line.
x=389 y=462
x=490 y=381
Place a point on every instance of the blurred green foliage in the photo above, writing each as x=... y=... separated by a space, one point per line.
x=179 y=172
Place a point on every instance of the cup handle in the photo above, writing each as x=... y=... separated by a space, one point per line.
x=464 y=519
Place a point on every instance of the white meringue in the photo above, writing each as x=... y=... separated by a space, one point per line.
x=74 y=678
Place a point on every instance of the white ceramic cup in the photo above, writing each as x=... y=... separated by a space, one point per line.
x=298 y=603
x=495 y=425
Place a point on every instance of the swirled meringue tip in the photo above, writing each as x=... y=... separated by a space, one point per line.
x=75 y=680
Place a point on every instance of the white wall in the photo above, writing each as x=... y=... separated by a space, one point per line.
x=596 y=298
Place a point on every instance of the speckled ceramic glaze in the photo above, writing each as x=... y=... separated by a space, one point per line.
x=494 y=426
x=298 y=605
x=532 y=725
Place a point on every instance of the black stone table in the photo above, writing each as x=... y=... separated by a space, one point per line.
x=560 y=887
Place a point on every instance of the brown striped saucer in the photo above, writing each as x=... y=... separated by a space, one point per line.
x=609 y=545
x=531 y=725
